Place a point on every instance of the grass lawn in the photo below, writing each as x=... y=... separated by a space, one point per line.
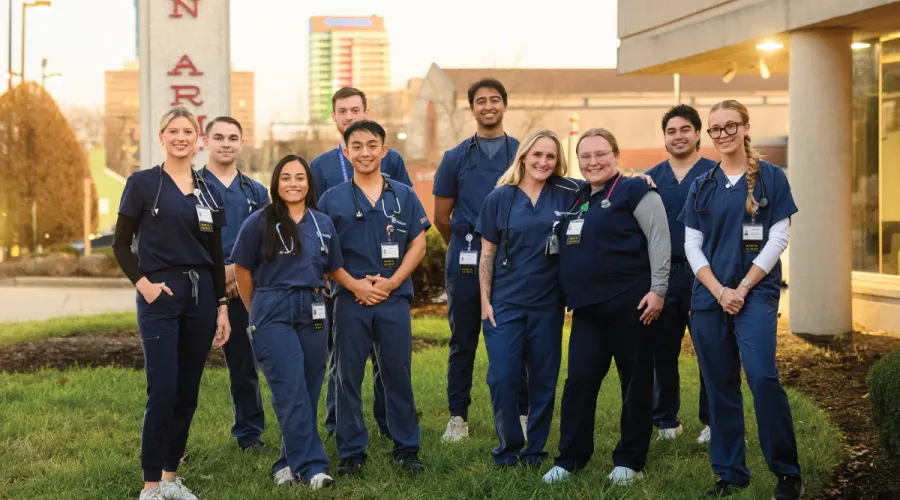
x=76 y=435
x=14 y=332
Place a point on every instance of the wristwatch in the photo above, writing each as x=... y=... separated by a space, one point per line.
x=745 y=283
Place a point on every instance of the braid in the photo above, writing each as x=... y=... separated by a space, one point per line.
x=752 y=173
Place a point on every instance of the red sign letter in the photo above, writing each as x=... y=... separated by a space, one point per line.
x=185 y=63
x=200 y=121
x=176 y=12
x=189 y=92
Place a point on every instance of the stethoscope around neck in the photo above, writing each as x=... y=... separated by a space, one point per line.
x=473 y=142
x=287 y=251
x=711 y=176
x=386 y=187
x=243 y=181
x=207 y=200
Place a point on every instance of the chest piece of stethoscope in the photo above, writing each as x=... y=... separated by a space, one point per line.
x=605 y=204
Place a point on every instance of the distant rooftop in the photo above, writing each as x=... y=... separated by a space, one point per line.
x=324 y=24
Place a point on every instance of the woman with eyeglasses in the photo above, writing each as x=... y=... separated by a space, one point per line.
x=614 y=270
x=179 y=273
x=521 y=305
x=737 y=218
x=282 y=255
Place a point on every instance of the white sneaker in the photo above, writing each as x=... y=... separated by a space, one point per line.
x=174 y=490
x=457 y=430
x=152 y=494
x=523 y=419
x=667 y=434
x=320 y=480
x=704 y=436
x=556 y=475
x=623 y=476
x=285 y=477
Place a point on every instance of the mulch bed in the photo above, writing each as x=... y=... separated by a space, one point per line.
x=834 y=375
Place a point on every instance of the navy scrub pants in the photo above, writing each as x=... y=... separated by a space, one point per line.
x=669 y=331
x=388 y=328
x=464 y=313
x=722 y=343
x=601 y=332
x=176 y=335
x=378 y=410
x=291 y=353
x=246 y=402
x=523 y=336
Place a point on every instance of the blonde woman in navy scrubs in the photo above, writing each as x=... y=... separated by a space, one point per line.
x=521 y=305
x=179 y=273
x=614 y=270
x=737 y=219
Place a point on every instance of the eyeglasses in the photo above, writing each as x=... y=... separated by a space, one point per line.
x=585 y=158
x=730 y=128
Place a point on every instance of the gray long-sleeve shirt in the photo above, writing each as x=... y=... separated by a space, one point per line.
x=651 y=216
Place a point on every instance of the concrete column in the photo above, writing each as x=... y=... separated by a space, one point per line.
x=185 y=59
x=819 y=155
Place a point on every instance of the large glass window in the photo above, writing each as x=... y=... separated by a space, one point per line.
x=890 y=156
x=864 y=200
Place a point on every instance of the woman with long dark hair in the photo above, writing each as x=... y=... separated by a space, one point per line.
x=281 y=257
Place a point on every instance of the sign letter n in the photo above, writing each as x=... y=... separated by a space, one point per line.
x=178 y=4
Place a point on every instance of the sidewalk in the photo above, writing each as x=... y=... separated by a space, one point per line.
x=37 y=300
x=56 y=282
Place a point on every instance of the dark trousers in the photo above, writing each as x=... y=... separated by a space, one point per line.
x=387 y=327
x=601 y=332
x=246 y=402
x=464 y=314
x=378 y=410
x=668 y=333
x=724 y=342
x=291 y=354
x=176 y=335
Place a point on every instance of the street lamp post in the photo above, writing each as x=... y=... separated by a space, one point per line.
x=44 y=75
x=25 y=5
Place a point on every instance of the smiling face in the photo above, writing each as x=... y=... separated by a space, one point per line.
x=179 y=138
x=681 y=137
x=596 y=160
x=293 y=184
x=348 y=111
x=365 y=151
x=727 y=129
x=224 y=143
x=541 y=159
x=488 y=108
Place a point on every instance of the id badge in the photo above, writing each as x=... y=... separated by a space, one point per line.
x=551 y=249
x=204 y=215
x=753 y=237
x=468 y=261
x=318 y=314
x=573 y=232
x=390 y=253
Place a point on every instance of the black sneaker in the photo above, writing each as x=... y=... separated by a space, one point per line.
x=409 y=462
x=350 y=466
x=725 y=488
x=258 y=448
x=789 y=488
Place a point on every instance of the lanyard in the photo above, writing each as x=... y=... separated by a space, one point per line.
x=343 y=164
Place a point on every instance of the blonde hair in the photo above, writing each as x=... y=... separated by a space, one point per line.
x=600 y=132
x=753 y=156
x=178 y=112
x=516 y=172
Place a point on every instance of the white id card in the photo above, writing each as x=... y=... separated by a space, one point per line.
x=390 y=254
x=574 y=228
x=204 y=215
x=468 y=258
x=318 y=311
x=753 y=237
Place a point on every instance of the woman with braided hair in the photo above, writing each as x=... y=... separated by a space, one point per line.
x=737 y=219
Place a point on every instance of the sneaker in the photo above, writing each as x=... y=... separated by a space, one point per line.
x=152 y=494
x=174 y=490
x=457 y=430
x=789 y=488
x=410 y=463
x=523 y=419
x=350 y=466
x=320 y=480
x=668 y=434
x=623 y=476
x=285 y=477
x=704 y=436
x=724 y=488
x=556 y=475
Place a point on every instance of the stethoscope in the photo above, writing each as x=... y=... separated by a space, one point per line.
x=711 y=176
x=385 y=188
x=553 y=182
x=287 y=251
x=473 y=142
x=209 y=201
x=243 y=180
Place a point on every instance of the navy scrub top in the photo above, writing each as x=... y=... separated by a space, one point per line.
x=243 y=197
x=332 y=168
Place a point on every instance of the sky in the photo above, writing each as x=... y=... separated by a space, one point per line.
x=83 y=38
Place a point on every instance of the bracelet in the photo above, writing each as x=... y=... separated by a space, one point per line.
x=721 y=293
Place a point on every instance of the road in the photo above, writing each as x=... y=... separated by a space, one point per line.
x=26 y=303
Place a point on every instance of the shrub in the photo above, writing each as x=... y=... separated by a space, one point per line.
x=884 y=392
x=428 y=278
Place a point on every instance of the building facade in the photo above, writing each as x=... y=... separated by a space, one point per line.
x=346 y=52
x=842 y=59
x=122 y=115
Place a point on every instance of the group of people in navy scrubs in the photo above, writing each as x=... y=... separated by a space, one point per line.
x=308 y=280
